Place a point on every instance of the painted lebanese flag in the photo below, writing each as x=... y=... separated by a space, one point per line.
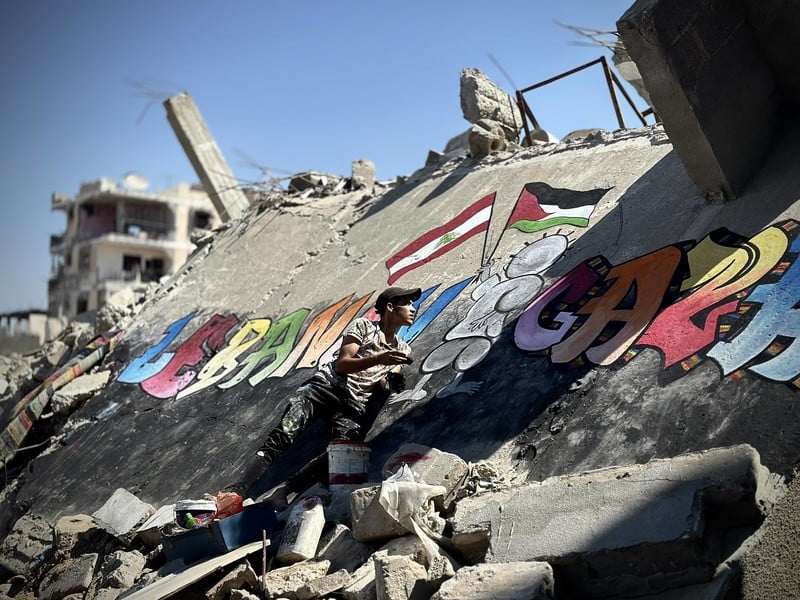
x=471 y=221
x=540 y=206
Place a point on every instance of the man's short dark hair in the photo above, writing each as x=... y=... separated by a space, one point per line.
x=389 y=294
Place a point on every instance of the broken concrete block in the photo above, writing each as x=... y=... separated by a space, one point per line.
x=26 y=545
x=362 y=583
x=481 y=98
x=285 y=581
x=320 y=588
x=432 y=466
x=343 y=551
x=309 y=180
x=150 y=531
x=400 y=578
x=486 y=137
x=78 y=391
x=122 y=514
x=506 y=581
x=240 y=576
x=121 y=569
x=371 y=522
x=458 y=144
x=77 y=534
x=72 y=576
x=622 y=529
x=363 y=175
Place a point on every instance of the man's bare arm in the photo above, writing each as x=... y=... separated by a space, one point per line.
x=348 y=362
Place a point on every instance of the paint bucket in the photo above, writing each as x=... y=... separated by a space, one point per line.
x=348 y=462
x=194 y=513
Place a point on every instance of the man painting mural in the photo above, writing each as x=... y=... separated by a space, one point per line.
x=370 y=359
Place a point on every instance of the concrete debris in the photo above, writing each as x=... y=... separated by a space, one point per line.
x=27 y=545
x=363 y=175
x=78 y=391
x=482 y=99
x=286 y=581
x=122 y=514
x=400 y=578
x=670 y=526
x=72 y=576
x=485 y=137
x=320 y=588
x=508 y=581
x=310 y=180
x=241 y=576
x=627 y=529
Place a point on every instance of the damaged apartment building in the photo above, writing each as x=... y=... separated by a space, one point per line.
x=119 y=235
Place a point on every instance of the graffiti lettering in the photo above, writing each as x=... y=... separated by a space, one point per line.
x=147 y=365
x=778 y=316
x=635 y=294
x=683 y=329
x=224 y=362
x=179 y=372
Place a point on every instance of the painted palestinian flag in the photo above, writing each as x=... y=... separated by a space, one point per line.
x=540 y=206
x=469 y=222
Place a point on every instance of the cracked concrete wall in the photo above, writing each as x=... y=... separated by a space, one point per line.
x=553 y=279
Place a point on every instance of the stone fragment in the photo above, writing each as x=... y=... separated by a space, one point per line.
x=73 y=576
x=486 y=137
x=240 y=576
x=506 y=581
x=285 y=581
x=371 y=522
x=363 y=175
x=77 y=391
x=400 y=578
x=320 y=588
x=26 y=545
x=432 y=466
x=120 y=569
x=77 y=534
x=309 y=180
x=481 y=99
x=150 y=531
x=362 y=583
x=343 y=551
x=122 y=514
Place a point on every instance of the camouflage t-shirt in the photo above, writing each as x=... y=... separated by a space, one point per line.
x=361 y=384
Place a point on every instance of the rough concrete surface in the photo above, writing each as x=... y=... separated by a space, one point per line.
x=769 y=565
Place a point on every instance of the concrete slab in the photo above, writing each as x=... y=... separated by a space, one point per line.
x=633 y=529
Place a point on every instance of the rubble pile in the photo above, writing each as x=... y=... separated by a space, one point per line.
x=427 y=531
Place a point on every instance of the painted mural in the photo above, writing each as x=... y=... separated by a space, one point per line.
x=725 y=298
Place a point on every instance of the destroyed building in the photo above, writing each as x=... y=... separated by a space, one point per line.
x=119 y=235
x=603 y=401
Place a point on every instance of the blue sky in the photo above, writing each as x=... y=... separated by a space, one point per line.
x=288 y=86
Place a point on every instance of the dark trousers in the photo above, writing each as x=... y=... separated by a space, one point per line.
x=314 y=400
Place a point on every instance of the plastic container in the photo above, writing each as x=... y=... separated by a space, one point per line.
x=348 y=462
x=194 y=513
x=302 y=532
x=223 y=535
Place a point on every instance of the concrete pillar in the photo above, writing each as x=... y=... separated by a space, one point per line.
x=205 y=156
x=710 y=83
